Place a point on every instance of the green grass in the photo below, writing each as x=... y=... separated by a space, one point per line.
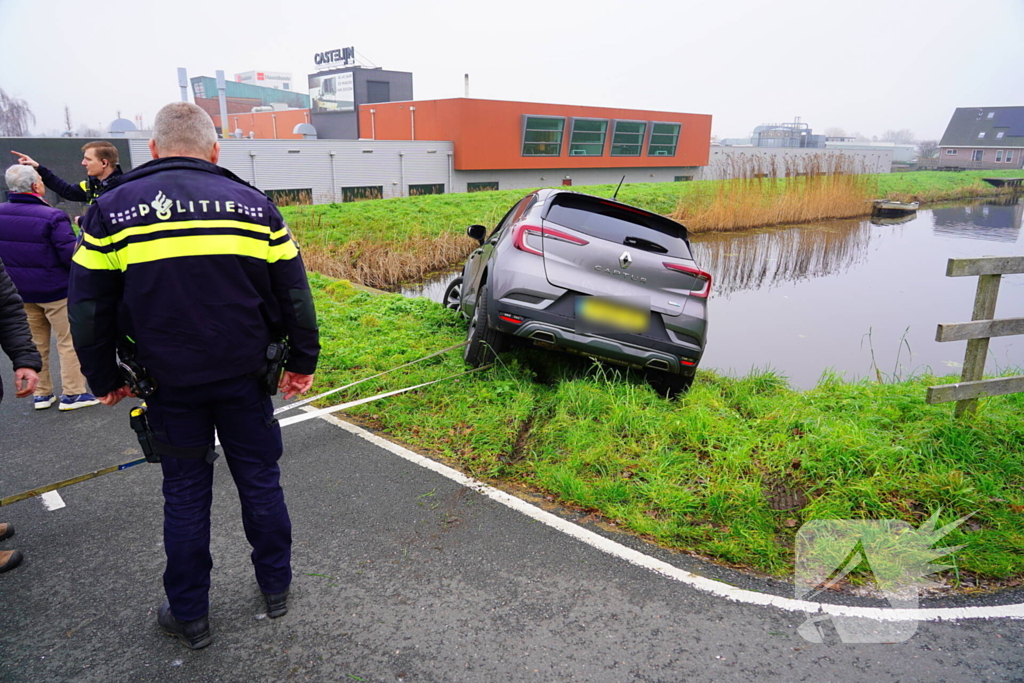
x=692 y=474
x=394 y=220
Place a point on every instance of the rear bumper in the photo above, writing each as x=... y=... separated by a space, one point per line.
x=557 y=332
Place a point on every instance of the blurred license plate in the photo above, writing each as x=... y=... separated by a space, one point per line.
x=609 y=314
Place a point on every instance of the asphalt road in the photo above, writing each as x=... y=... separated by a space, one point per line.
x=401 y=574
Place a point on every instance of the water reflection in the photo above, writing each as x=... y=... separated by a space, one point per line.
x=996 y=220
x=766 y=258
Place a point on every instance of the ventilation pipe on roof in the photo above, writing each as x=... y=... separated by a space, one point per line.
x=222 y=94
x=467 y=86
x=183 y=83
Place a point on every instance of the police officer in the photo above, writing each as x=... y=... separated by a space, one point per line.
x=101 y=169
x=199 y=269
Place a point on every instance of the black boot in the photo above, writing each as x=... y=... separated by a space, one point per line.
x=195 y=633
x=277 y=604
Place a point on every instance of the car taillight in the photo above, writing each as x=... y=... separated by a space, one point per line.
x=522 y=232
x=702 y=277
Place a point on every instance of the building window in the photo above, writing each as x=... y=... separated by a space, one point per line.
x=999 y=135
x=587 y=138
x=426 y=188
x=487 y=186
x=1009 y=156
x=991 y=114
x=378 y=91
x=951 y=152
x=542 y=136
x=977 y=155
x=628 y=138
x=361 y=194
x=981 y=135
x=664 y=137
x=683 y=178
x=286 y=86
x=999 y=156
x=291 y=197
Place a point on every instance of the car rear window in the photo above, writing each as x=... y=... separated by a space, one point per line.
x=610 y=221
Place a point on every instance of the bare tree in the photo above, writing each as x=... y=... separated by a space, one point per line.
x=900 y=137
x=835 y=132
x=15 y=116
x=927 y=149
x=87 y=131
x=67 y=118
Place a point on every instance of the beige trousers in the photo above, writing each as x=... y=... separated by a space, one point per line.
x=42 y=319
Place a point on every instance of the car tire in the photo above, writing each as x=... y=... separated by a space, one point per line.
x=485 y=343
x=668 y=385
x=453 y=295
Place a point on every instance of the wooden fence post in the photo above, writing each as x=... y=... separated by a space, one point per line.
x=989 y=271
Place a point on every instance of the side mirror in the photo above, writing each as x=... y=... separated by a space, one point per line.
x=477 y=232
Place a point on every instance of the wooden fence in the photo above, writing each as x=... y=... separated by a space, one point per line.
x=989 y=270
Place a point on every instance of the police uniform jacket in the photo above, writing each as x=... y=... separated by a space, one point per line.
x=86 y=191
x=15 y=337
x=198 y=268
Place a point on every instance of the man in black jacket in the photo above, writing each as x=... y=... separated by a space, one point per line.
x=101 y=168
x=16 y=341
x=198 y=268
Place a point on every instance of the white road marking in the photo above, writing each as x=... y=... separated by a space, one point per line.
x=675 y=573
x=52 y=501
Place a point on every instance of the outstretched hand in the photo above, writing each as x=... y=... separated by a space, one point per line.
x=293 y=384
x=26 y=160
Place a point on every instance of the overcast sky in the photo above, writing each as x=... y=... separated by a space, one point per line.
x=866 y=66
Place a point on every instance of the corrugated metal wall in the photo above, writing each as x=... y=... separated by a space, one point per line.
x=307 y=164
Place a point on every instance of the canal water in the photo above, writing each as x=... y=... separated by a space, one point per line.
x=854 y=297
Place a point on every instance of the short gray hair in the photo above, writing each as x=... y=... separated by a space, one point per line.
x=183 y=129
x=20 y=178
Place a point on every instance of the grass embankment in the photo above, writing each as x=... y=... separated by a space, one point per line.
x=383 y=242
x=701 y=474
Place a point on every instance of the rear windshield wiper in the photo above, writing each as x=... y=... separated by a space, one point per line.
x=646 y=245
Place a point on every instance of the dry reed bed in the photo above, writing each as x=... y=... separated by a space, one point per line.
x=768 y=191
x=385 y=264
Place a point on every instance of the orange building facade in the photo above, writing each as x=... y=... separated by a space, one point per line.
x=266 y=125
x=492 y=134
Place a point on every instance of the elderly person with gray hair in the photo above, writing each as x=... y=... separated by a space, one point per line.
x=36 y=244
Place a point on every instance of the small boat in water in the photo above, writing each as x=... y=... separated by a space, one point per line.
x=891 y=207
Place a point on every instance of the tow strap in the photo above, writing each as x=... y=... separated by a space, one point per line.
x=285 y=422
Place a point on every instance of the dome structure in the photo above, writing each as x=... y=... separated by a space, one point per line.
x=119 y=127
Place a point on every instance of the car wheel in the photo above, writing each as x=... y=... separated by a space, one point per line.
x=453 y=295
x=668 y=385
x=484 y=343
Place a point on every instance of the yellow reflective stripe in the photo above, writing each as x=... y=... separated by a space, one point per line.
x=283 y=252
x=193 y=245
x=280 y=233
x=179 y=225
x=95 y=260
x=84 y=185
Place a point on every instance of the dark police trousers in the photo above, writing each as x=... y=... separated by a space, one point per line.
x=242 y=413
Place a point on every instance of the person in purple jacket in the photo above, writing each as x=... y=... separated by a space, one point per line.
x=36 y=244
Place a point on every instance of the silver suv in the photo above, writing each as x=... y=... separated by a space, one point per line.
x=586 y=275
